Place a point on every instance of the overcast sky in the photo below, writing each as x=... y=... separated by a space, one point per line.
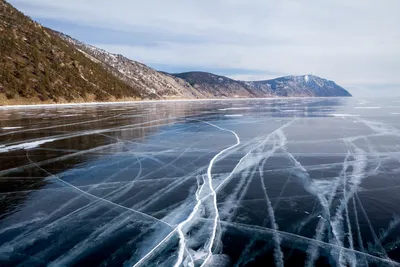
x=356 y=43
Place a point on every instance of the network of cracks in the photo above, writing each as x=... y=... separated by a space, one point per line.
x=203 y=189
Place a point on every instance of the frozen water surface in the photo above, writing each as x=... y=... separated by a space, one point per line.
x=277 y=182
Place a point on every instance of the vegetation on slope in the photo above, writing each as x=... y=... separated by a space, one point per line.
x=36 y=65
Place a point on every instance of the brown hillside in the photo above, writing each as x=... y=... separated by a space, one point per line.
x=36 y=65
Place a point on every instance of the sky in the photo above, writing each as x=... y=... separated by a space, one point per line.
x=354 y=43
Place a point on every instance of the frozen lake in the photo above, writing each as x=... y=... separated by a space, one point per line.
x=278 y=182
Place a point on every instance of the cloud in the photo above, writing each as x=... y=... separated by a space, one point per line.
x=354 y=42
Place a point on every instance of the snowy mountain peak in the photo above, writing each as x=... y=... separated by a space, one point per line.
x=306 y=78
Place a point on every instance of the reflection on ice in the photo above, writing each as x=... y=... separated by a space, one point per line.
x=197 y=184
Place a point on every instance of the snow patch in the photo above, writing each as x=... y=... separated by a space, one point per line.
x=306 y=78
x=292 y=110
x=25 y=146
x=239 y=108
x=367 y=107
x=84 y=78
x=89 y=56
x=11 y=128
x=343 y=115
x=234 y=115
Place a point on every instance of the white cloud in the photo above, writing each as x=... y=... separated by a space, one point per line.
x=353 y=42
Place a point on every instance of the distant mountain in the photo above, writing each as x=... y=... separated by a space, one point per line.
x=216 y=86
x=305 y=85
x=39 y=65
x=289 y=86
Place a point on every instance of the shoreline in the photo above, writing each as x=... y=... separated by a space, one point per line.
x=155 y=101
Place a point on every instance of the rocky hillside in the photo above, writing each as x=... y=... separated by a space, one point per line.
x=151 y=82
x=36 y=65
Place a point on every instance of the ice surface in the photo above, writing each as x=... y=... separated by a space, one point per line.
x=282 y=182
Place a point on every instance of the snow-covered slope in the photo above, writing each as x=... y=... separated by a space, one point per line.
x=152 y=83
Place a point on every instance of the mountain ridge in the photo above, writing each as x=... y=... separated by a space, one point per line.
x=155 y=84
x=201 y=84
x=302 y=85
x=40 y=65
